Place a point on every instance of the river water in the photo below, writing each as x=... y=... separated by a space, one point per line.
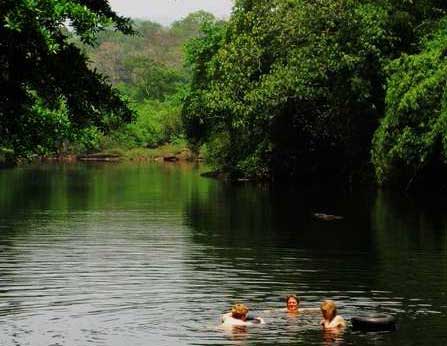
x=152 y=254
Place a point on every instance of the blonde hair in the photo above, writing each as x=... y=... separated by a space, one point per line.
x=329 y=307
x=238 y=311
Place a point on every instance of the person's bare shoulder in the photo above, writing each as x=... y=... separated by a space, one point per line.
x=339 y=322
x=233 y=322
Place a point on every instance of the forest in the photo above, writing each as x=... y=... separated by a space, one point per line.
x=284 y=90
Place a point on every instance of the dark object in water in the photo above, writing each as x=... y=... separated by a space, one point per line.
x=211 y=174
x=215 y=175
x=170 y=158
x=374 y=323
x=327 y=217
x=99 y=157
x=251 y=318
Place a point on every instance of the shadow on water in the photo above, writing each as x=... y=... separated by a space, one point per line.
x=259 y=216
x=411 y=246
x=388 y=254
x=270 y=224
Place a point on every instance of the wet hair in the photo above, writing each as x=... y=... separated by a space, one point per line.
x=290 y=296
x=329 y=307
x=238 y=311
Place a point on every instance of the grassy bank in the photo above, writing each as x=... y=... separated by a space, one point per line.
x=177 y=151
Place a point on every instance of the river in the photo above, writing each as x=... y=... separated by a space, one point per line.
x=152 y=254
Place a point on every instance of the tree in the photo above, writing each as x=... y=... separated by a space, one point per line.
x=151 y=80
x=148 y=68
x=410 y=146
x=296 y=88
x=46 y=85
x=287 y=84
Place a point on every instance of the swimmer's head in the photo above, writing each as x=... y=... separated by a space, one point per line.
x=292 y=302
x=239 y=311
x=328 y=309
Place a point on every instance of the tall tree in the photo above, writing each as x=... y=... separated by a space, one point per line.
x=46 y=86
x=410 y=146
x=295 y=88
x=289 y=85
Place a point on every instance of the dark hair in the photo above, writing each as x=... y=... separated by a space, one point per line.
x=292 y=296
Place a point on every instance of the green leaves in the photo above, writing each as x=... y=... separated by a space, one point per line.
x=148 y=68
x=298 y=87
x=411 y=139
x=289 y=81
x=40 y=69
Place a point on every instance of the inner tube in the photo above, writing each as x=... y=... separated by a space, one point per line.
x=374 y=323
x=253 y=319
x=250 y=317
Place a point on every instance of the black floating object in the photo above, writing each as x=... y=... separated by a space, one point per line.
x=374 y=323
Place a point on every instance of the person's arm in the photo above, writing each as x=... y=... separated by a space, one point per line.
x=322 y=322
x=270 y=311
x=254 y=319
x=225 y=316
x=259 y=320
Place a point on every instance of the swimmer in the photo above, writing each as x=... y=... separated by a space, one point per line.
x=330 y=318
x=293 y=305
x=238 y=317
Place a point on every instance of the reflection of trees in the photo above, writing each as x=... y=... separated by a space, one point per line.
x=93 y=187
x=407 y=224
x=262 y=242
x=411 y=242
x=57 y=221
x=247 y=216
x=42 y=188
x=262 y=231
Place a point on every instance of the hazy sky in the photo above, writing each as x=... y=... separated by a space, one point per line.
x=166 y=11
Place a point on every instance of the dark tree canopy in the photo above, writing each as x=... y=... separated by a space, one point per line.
x=410 y=146
x=296 y=88
x=48 y=92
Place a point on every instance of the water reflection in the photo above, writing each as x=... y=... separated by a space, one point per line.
x=381 y=258
x=152 y=254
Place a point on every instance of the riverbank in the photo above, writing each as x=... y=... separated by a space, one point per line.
x=170 y=152
x=6 y=158
x=167 y=152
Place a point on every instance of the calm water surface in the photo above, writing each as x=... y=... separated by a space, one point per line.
x=153 y=254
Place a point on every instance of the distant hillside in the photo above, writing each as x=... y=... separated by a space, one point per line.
x=125 y=59
x=149 y=69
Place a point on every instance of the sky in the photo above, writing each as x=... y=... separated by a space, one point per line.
x=167 y=11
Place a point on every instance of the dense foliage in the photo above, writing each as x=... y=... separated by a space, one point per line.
x=49 y=95
x=296 y=88
x=148 y=69
x=286 y=89
x=410 y=146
